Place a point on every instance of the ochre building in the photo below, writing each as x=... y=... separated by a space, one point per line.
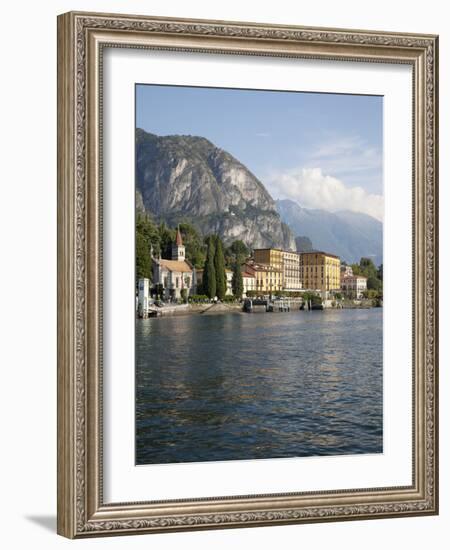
x=268 y=279
x=269 y=256
x=285 y=261
x=320 y=271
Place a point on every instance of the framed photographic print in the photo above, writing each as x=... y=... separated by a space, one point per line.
x=247 y=284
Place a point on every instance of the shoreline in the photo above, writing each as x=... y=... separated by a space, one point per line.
x=221 y=308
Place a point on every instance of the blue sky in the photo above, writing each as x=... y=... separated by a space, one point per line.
x=322 y=150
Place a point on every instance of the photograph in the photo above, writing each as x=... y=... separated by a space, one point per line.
x=259 y=274
x=247 y=274
x=234 y=226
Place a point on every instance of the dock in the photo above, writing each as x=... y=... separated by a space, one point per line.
x=268 y=306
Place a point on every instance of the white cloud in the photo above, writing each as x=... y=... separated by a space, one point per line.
x=311 y=188
x=349 y=158
x=262 y=134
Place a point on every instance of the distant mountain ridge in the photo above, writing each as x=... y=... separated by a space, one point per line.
x=188 y=178
x=350 y=235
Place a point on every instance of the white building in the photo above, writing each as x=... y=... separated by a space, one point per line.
x=143 y=297
x=346 y=271
x=291 y=271
x=248 y=282
x=229 y=276
x=176 y=274
x=354 y=286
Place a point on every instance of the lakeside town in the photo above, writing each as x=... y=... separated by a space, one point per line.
x=258 y=274
x=239 y=278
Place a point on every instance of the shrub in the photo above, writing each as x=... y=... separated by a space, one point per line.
x=184 y=295
x=198 y=298
x=315 y=298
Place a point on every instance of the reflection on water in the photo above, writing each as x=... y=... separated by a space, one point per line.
x=247 y=386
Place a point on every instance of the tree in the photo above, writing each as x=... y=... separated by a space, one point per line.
x=167 y=238
x=147 y=237
x=148 y=229
x=219 y=266
x=374 y=283
x=380 y=272
x=143 y=260
x=374 y=276
x=313 y=297
x=159 y=290
x=237 y=282
x=209 y=271
x=238 y=251
x=195 y=248
x=368 y=267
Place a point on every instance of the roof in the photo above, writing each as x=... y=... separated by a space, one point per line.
x=354 y=277
x=320 y=252
x=179 y=240
x=175 y=265
x=264 y=267
x=202 y=270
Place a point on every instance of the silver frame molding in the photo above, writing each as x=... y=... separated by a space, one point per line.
x=81 y=39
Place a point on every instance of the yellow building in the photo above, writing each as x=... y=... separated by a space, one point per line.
x=286 y=261
x=268 y=279
x=269 y=256
x=320 y=270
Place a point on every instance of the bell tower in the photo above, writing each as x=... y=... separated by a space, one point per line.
x=178 y=250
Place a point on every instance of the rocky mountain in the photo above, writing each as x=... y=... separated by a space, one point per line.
x=187 y=178
x=303 y=244
x=350 y=235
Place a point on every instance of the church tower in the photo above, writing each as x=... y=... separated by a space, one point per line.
x=178 y=251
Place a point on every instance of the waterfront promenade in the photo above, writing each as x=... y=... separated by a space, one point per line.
x=237 y=307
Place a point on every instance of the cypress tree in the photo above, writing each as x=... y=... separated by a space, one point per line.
x=209 y=272
x=237 y=282
x=147 y=237
x=219 y=264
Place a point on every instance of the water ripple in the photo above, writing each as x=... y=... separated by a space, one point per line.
x=233 y=387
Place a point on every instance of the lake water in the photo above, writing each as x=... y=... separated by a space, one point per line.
x=263 y=385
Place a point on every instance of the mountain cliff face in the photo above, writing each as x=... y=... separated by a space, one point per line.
x=350 y=235
x=187 y=178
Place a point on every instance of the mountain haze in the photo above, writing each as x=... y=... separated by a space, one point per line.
x=187 y=178
x=350 y=235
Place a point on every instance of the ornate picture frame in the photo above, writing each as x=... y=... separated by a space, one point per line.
x=82 y=38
